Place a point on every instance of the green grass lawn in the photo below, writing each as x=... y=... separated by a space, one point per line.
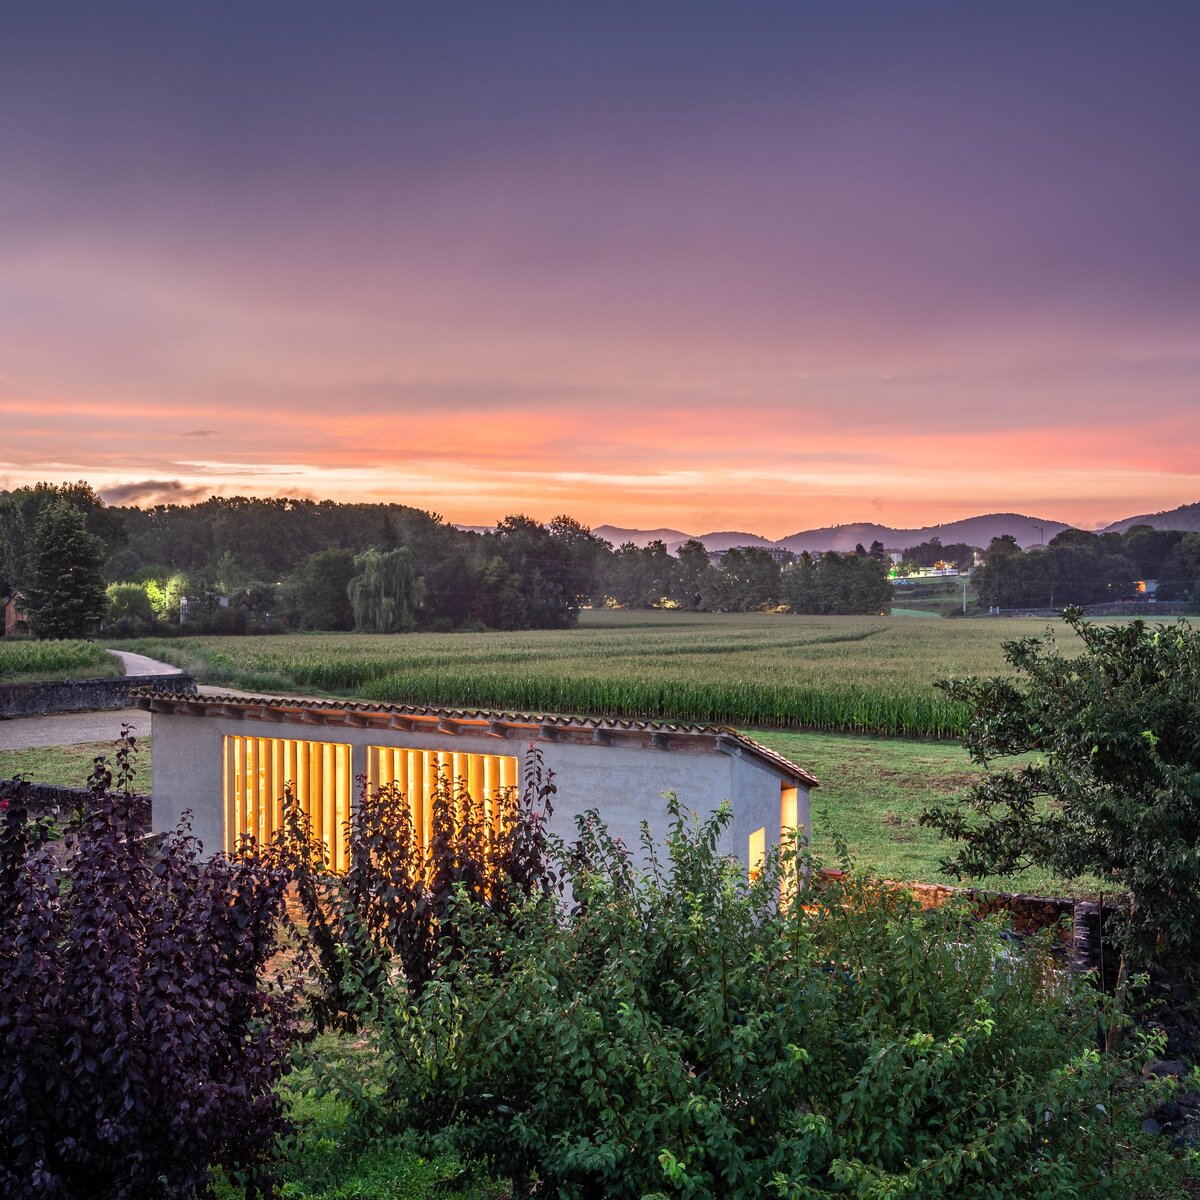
x=872 y=793
x=328 y=1162
x=69 y=766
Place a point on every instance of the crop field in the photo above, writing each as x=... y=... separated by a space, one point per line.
x=850 y=674
x=22 y=661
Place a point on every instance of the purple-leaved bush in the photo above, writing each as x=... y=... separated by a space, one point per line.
x=139 y=1044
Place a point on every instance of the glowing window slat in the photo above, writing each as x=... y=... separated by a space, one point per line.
x=258 y=771
x=490 y=779
x=757 y=852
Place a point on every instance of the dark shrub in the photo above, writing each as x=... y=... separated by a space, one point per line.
x=137 y=1045
x=393 y=906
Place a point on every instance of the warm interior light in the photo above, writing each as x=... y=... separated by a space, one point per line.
x=488 y=778
x=259 y=770
x=757 y=855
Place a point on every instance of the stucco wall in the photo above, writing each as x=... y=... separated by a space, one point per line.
x=624 y=783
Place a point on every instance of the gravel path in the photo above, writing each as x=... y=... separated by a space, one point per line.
x=139 y=664
x=67 y=729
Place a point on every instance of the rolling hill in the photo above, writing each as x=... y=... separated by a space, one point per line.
x=975 y=531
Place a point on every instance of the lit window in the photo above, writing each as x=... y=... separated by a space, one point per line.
x=259 y=770
x=757 y=852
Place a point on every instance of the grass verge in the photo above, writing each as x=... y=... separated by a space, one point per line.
x=68 y=766
x=28 y=661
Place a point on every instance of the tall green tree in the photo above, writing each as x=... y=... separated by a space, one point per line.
x=1114 y=789
x=387 y=591
x=316 y=595
x=22 y=509
x=64 y=590
x=692 y=573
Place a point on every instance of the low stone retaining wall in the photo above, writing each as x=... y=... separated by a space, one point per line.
x=44 y=799
x=83 y=695
x=1082 y=924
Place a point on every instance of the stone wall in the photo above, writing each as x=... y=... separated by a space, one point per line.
x=44 y=799
x=83 y=695
x=1082 y=924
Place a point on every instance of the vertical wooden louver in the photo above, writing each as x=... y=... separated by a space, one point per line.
x=258 y=771
x=489 y=779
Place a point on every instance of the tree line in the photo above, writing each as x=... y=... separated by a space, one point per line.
x=1080 y=568
x=237 y=565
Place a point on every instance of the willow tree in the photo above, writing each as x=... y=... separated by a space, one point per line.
x=387 y=591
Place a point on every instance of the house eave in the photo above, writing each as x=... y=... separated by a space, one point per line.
x=456 y=722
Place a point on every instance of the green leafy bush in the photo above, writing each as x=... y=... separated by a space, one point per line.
x=393 y=908
x=684 y=1033
x=1115 y=786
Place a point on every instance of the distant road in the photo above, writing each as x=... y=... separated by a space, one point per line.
x=139 y=664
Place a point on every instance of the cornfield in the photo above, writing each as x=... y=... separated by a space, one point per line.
x=850 y=674
x=30 y=660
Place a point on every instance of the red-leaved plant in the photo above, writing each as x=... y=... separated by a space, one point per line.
x=138 y=1045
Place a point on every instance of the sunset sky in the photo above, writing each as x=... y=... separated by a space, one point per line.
x=750 y=266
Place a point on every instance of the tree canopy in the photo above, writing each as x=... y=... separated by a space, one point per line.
x=1114 y=787
x=64 y=582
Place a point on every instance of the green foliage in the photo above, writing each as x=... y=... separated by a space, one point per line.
x=386 y=592
x=165 y=593
x=747 y=580
x=322 y=1160
x=316 y=595
x=1115 y=788
x=685 y=1034
x=928 y=554
x=393 y=906
x=22 y=661
x=64 y=592
x=22 y=509
x=838 y=583
x=129 y=600
x=130 y=610
x=1079 y=567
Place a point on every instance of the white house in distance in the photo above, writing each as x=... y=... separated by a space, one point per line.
x=227 y=759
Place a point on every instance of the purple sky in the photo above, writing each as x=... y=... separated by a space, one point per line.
x=752 y=265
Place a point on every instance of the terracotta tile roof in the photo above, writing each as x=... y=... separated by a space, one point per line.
x=548 y=727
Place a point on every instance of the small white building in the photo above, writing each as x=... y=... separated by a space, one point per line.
x=227 y=759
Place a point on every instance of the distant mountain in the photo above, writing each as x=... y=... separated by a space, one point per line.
x=639 y=537
x=726 y=540
x=975 y=531
x=1186 y=516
